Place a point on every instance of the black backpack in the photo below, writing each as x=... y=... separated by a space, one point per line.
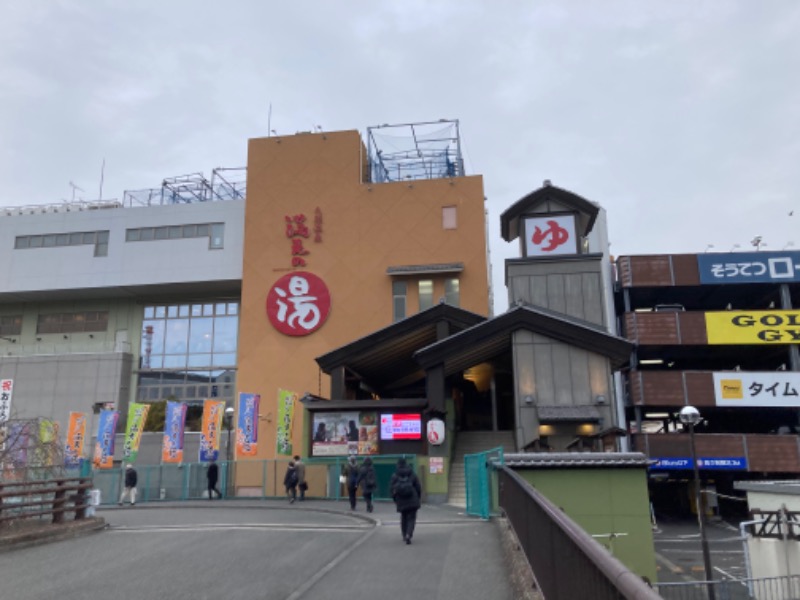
x=404 y=488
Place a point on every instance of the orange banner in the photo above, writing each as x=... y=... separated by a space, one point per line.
x=213 y=411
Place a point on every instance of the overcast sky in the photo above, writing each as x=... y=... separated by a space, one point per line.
x=681 y=118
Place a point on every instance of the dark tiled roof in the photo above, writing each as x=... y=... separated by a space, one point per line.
x=576 y=460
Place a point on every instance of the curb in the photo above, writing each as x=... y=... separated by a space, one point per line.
x=50 y=533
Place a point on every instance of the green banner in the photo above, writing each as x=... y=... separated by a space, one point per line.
x=285 y=416
x=137 y=415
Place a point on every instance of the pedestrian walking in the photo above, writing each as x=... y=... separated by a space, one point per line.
x=300 y=466
x=131 y=479
x=350 y=473
x=290 y=482
x=212 y=475
x=406 y=493
x=367 y=481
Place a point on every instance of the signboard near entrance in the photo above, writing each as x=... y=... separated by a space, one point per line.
x=711 y=463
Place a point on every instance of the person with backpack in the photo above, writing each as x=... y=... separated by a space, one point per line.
x=367 y=481
x=290 y=482
x=350 y=472
x=406 y=493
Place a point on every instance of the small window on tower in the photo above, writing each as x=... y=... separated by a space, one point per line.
x=449 y=217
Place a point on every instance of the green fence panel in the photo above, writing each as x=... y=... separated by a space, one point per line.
x=481 y=481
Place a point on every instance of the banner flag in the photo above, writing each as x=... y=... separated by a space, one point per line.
x=6 y=387
x=247 y=425
x=213 y=411
x=76 y=433
x=45 y=452
x=172 y=448
x=285 y=417
x=137 y=415
x=104 y=446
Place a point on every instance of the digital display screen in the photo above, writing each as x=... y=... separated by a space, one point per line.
x=401 y=427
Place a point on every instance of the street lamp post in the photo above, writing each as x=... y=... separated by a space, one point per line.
x=229 y=422
x=690 y=416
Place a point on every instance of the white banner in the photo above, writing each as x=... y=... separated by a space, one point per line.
x=770 y=388
x=6 y=387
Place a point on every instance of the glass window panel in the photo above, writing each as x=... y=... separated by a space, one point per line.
x=202 y=391
x=198 y=376
x=183 y=310
x=224 y=360
x=191 y=392
x=177 y=337
x=162 y=233
x=199 y=360
x=233 y=308
x=75 y=239
x=146 y=234
x=399 y=308
x=189 y=231
x=449 y=217
x=425 y=294
x=197 y=310
x=208 y=310
x=62 y=239
x=22 y=242
x=156 y=337
x=217 y=236
x=177 y=391
x=89 y=237
x=200 y=334
x=157 y=361
x=219 y=309
x=172 y=312
x=132 y=235
x=166 y=392
x=154 y=393
x=102 y=236
x=175 y=361
x=149 y=312
x=49 y=241
x=175 y=232
x=451 y=292
x=161 y=312
x=36 y=241
x=225 y=334
x=202 y=230
x=101 y=250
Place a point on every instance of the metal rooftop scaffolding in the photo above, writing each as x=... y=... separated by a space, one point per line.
x=225 y=184
x=415 y=151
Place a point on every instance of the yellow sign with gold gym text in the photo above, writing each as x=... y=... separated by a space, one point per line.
x=753 y=327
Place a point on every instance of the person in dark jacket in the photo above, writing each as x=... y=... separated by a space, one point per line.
x=212 y=475
x=406 y=493
x=350 y=472
x=131 y=478
x=301 y=476
x=367 y=481
x=290 y=482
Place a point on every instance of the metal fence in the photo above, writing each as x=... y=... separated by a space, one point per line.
x=481 y=481
x=567 y=563
x=767 y=588
x=237 y=479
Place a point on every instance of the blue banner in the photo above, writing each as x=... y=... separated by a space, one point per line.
x=710 y=463
x=104 y=446
x=172 y=448
x=749 y=267
x=247 y=425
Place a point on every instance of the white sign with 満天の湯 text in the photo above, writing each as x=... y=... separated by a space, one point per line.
x=770 y=388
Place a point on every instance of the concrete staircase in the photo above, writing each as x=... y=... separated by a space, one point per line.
x=472 y=442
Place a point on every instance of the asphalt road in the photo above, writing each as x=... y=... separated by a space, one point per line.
x=679 y=554
x=264 y=551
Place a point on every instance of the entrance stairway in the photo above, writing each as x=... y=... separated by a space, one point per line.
x=472 y=442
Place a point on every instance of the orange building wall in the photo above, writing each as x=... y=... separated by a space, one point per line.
x=366 y=228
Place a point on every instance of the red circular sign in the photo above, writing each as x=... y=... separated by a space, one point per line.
x=298 y=303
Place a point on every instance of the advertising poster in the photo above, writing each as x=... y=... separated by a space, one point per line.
x=104 y=447
x=172 y=448
x=753 y=327
x=343 y=433
x=247 y=425
x=749 y=267
x=285 y=417
x=45 y=452
x=76 y=434
x=137 y=415
x=757 y=389
x=213 y=411
x=6 y=387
